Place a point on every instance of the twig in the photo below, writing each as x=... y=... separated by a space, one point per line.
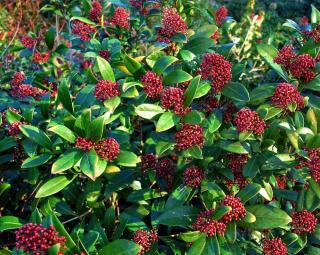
x=77 y=217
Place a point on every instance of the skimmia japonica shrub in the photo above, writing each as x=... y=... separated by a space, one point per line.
x=132 y=128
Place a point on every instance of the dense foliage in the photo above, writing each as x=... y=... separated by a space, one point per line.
x=147 y=127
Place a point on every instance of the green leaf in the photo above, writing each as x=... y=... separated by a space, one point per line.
x=195 y=152
x=163 y=63
x=64 y=96
x=49 y=37
x=235 y=147
x=144 y=194
x=268 y=52
x=251 y=168
x=205 y=31
x=191 y=236
x=221 y=211
x=262 y=92
x=84 y=20
x=63 y=132
x=132 y=65
x=249 y=192
x=236 y=91
x=148 y=111
x=193 y=117
x=62 y=231
x=90 y=165
x=9 y=222
x=112 y=104
x=202 y=90
x=215 y=121
x=191 y=90
x=182 y=216
x=96 y=128
x=54 y=185
x=315 y=15
x=66 y=161
x=127 y=158
x=176 y=76
x=7 y=143
x=199 y=45
x=178 y=197
x=36 y=161
x=268 y=217
x=37 y=135
x=105 y=69
x=120 y=247
x=166 y=121
x=313 y=85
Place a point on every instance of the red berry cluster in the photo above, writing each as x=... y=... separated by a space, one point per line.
x=165 y=170
x=41 y=58
x=84 y=144
x=286 y=94
x=301 y=67
x=14 y=129
x=313 y=163
x=108 y=148
x=29 y=42
x=238 y=180
x=208 y=103
x=172 y=99
x=17 y=79
x=136 y=3
x=237 y=161
x=304 y=21
x=37 y=239
x=248 y=120
x=314 y=34
x=217 y=69
x=83 y=30
x=96 y=11
x=274 y=246
x=205 y=224
x=105 y=54
x=193 y=176
x=286 y=56
x=106 y=89
x=215 y=36
x=145 y=239
x=25 y=90
x=121 y=18
x=303 y=222
x=153 y=85
x=188 y=136
x=229 y=110
x=148 y=161
x=237 y=212
x=220 y=15
x=281 y=181
x=172 y=23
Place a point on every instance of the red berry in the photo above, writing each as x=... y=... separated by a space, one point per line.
x=286 y=94
x=248 y=120
x=41 y=58
x=105 y=54
x=220 y=15
x=121 y=18
x=193 y=176
x=106 y=89
x=204 y=223
x=148 y=161
x=83 y=30
x=172 y=99
x=286 y=56
x=153 y=85
x=145 y=239
x=237 y=212
x=108 y=149
x=84 y=144
x=274 y=246
x=217 y=69
x=17 y=79
x=96 y=11
x=34 y=238
x=189 y=136
x=303 y=222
